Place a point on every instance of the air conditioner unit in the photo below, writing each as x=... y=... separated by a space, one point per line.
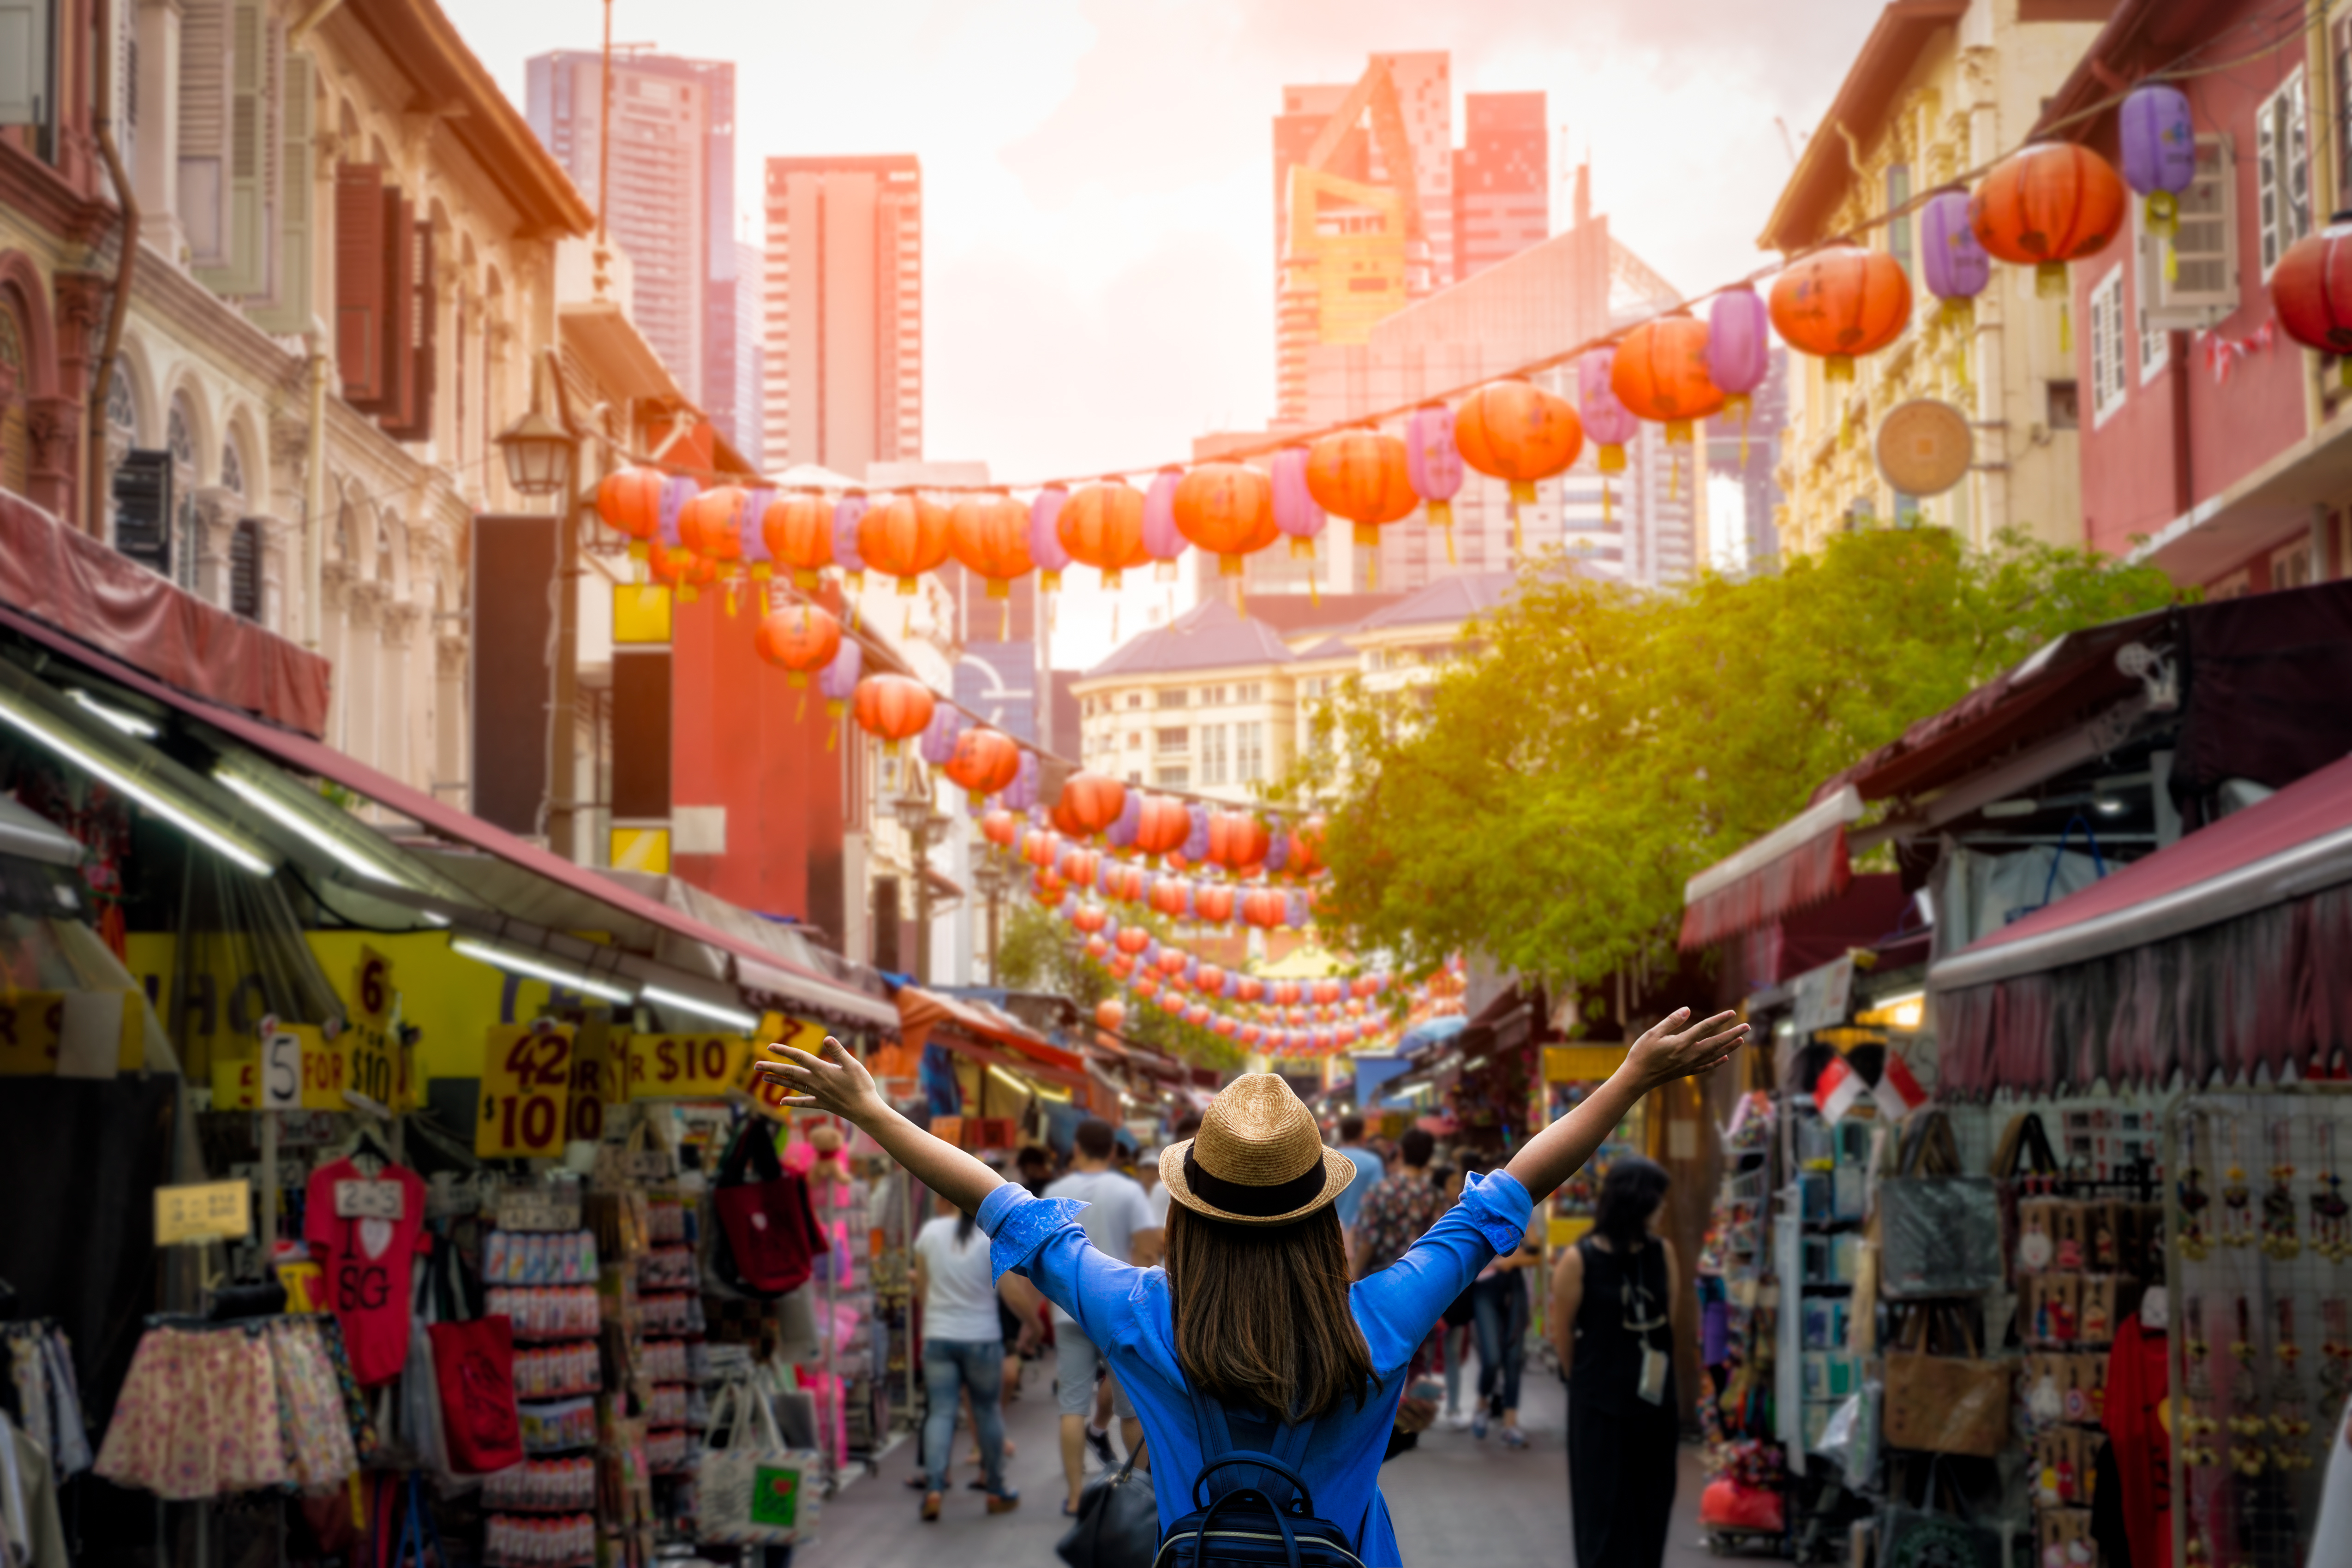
x=2202 y=286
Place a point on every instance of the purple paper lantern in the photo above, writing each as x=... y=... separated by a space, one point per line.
x=845 y=513
x=1277 y=847
x=939 y=736
x=1046 y=539
x=1433 y=463
x=1232 y=989
x=2160 y=145
x=837 y=682
x=1121 y=834
x=1020 y=795
x=751 y=538
x=1607 y=422
x=1295 y=512
x=1739 y=342
x=1196 y=843
x=677 y=490
x=1953 y=262
x=1161 y=541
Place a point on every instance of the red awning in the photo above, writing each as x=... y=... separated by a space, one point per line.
x=979 y=1031
x=1798 y=864
x=307 y=755
x=106 y=601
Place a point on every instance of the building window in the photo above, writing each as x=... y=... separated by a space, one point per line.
x=1249 y=753
x=1135 y=700
x=1173 y=778
x=2066 y=406
x=2283 y=170
x=1164 y=742
x=1898 y=230
x=1214 y=759
x=2342 y=54
x=1135 y=740
x=2291 y=567
x=1173 y=696
x=1212 y=697
x=1250 y=691
x=2155 y=350
x=2108 y=379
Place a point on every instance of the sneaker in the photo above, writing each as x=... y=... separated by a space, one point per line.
x=1003 y=1503
x=1515 y=1438
x=931 y=1501
x=1457 y=1421
x=1100 y=1442
x=1478 y=1425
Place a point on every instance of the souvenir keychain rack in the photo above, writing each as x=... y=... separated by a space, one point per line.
x=2259 y=1265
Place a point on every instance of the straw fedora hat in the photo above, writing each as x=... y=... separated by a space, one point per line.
x=1258 y=1159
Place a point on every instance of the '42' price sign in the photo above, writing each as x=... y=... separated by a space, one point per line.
x=525 y=1090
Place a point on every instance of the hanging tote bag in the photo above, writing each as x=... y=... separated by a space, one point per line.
x=1940 y=1231
x=753 y=1491
x=1945 y=1404
x=474 y=1362
x=764 y=1214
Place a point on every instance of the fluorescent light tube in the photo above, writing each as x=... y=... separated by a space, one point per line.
x=717 y=1012
x=302 y=826
x=537 y=968
x=18 y=712
x=128 y=723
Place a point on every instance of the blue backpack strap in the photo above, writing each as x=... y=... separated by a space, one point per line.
x=1288 y=1449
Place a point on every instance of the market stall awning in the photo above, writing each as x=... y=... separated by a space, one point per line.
x=985 y=1033
x=2221 y=953
x=307 y=755
x=1798 y=864
x=1305 y=961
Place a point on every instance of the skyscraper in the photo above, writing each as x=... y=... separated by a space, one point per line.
x=1502 y=185
x=750 y=358
x=672 y=207
x=843 y=323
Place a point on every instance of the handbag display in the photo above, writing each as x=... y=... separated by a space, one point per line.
x=1118 y=1521
x=1945 y=1404
x=480 y=1427
x=753 y=1491
x=767 y=1235
x=1922 y=1538
x=1940 y=1231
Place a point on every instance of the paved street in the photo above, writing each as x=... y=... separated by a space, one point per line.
x=1452 y=1497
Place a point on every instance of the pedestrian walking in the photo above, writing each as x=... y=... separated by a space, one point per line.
x=1116 y=1217
x=1499 y=1314
x=1249 y=1338
x=1369 y=1170
x=963 y=1351
x=1457 y=1329
x=1400 y=1209
x=1610 y=1297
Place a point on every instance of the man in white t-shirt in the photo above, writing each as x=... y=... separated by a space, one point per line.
x=1118 y=1220
x=963 y=1350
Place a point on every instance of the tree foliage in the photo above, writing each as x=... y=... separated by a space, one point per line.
x=1544 y=801
x=1037 y=951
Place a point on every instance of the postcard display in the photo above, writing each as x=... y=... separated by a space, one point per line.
x=2260 y=1270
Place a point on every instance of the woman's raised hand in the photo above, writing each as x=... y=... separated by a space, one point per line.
x=831 y=1080
x=1674 y=1048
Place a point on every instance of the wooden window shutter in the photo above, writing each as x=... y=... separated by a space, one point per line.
x=395 y=401
x=286 y=307
x=359 y=280
x=23 y=62
x=241 y=267
x=206 y=64
x=143 y=509
x=422 y=345
x=245 y=569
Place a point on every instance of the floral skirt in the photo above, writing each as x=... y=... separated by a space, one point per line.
x=198 y=1416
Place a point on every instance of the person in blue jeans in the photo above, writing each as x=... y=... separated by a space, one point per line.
x=1498 y=1316
x=1252 y=1310
x=963 y=1351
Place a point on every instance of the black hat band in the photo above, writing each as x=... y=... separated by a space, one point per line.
x=1257 y=1202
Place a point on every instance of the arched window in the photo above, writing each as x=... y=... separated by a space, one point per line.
x=121 y=411
x=15 y=439
x=180 y=441
x=232 y=469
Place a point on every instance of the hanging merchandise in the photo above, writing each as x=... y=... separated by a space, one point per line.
x=1515 y=431
x=1361 y=474
x=1839 y=303
x=474 y=1366
x=751 y=1490
x=1433 y=464
x=769 y=1230
x=1102 y=527
x=362 y=1231
x=211 y=1409
x=798 y=531
x=1162 y=539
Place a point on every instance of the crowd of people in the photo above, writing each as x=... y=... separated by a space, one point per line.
x=1607 y=1324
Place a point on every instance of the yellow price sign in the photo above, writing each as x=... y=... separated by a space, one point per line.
x=326 y=1068
x=380 y=1066
x=525 y=1090
x=372 y=989
x=32 y=1024
x=688 y=1067
x=236 y=1082
x=598 y=1058
x=779 y=1028
x=203 y=1211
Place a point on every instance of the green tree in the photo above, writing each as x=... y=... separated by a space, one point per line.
x=1544 y=802
x=1037 y=952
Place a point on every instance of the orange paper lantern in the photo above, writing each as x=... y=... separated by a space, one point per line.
x=1226 y=509
x=1362 y=476
x=1168 y=898
x=1001 y=828
x=629 y=500
x=1110 y=1014
x=892 y=709
x=1161 y=825
x=711 y=523
x=1514 y=430
x=1132 y=939
x=1213 y=903
x=985 y=762
x=2045 y=205
x=1089 y=803
x=1237 y=838
x=1264 y=908
x=1103 y=527
x=798 y=531
x=990 y=535
x=1840 y=302
x=680 y=569
x=903 y=536
x=799 y=639
x=1090 y=918
x=1660 y=374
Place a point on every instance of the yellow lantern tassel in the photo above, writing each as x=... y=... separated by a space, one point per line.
x=1746 y=407
x=1005 y=621
x=832 y=734
x=1241 y=597
x=2065 y=330
x=1449 y=540
x=1604 y=503
x=907 y=624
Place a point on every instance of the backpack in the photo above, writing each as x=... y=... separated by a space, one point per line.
x=1245 y=1526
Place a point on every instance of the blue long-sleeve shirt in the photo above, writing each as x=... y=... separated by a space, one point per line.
x=1129 y=1313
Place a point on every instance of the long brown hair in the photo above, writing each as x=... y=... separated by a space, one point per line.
x=1262 y=1318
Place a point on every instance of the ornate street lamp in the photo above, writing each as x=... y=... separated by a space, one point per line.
x=537 y=450
x=993 y=878
x=924 y=825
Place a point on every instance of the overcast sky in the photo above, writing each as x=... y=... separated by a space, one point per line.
x=1097 y=174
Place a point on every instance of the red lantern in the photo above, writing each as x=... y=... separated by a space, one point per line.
x=1237 y=838
x=1171 y=962
x=990 y=535
x=1252 y=988
x=1264 y=908
x=1132 y=939
x=1196 y=1015
x=1103 y=527
x=1110 y=1014
x=798 y=531
x=1147 y=982
x=1090 y=918
x=711 y=523
x=1306 y=855
x=1089 y=803
x=1840 y=302
x=1660 y=374
x=1096 y=947
x=630 y=500
x=1168 y=898
x=1362 y=476
x=1250 y=1035
x=1161 y=823
x=903 y=536
x=1124 y=883
x=1001 y=828
x=1513 y=429
x=2047 y=205
x=1285 y=991
x=800 y=639
x=1353 y=1007
x=892 y=709
x=1226 y=509
x=985 y=762
x=1047 y=889
x=1210 y=978
x=1213 y=903
x=1223 y=1025
x=1171 y=1003
x=680 y=569
x=1040 y=849
x=1082 y=866
x=2311 y=288
x=1323 y=992
x=1121 y=964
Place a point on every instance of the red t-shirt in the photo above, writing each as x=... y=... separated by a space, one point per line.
x=2136 y=1376
x=365 y=1262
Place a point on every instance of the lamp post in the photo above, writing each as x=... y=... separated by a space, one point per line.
x=924 y=826
x=993 y=878
x=539 y=454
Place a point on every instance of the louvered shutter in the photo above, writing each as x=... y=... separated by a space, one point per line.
x=422 y=316
x=359 y=281
x=24 y=61
x=143 y=509
x=206 y=78
x=242 y=267
x=395 y=402
x=2203 y=287
x=245 y=569
x=288 y=308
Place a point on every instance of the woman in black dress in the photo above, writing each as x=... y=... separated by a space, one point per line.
x=1610 y=1297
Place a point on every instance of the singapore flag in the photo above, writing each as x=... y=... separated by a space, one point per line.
x=1898 y=1094
x=1838 y=1087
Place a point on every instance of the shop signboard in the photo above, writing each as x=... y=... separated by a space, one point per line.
x=526 y=1101
x=381 y=1068
x=688 y=1067
x=31 y=1025
x=203 y=1211
x=599 y=1063
x=71 y=1033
